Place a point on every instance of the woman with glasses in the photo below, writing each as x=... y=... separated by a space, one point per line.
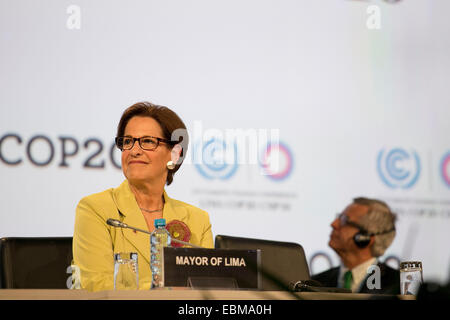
x=153 y=141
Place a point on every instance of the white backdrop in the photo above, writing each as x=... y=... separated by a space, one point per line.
x=359 y=111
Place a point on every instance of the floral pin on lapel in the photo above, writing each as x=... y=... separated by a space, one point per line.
x=178 y=230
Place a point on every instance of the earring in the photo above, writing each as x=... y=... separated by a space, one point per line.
x=170 y=165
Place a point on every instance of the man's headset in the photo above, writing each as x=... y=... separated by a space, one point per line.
x=362 y=238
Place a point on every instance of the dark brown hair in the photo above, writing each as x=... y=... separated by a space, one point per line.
x=166 y=118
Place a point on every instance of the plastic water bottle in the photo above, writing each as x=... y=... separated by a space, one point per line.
x=159 y=239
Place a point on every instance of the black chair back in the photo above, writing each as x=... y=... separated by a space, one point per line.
x=281 y=262
x=35 y=263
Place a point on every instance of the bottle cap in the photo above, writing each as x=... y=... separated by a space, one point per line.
x=408 y=265
x=160 y=223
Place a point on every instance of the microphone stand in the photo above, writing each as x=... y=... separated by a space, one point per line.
x=119 y=224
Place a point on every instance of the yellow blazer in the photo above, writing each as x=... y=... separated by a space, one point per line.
x=95 y=242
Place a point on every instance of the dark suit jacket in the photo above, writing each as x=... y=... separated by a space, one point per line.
x=390 y=280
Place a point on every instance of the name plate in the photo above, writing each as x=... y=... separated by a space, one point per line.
x=212 y=268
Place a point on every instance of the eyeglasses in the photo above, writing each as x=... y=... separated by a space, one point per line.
x=146 y=143
x=343 y=221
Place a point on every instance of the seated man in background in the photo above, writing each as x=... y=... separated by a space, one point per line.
x=360 y=235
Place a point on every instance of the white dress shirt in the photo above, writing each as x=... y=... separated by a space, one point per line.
x=359 y=273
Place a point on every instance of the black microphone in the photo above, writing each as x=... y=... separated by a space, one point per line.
x=118 y=224
x=301 y=285
x=314 y=286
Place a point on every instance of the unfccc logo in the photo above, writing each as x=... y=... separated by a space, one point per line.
x=216 y=159
x=445 y=169
x=277 y=161
x=398 y=168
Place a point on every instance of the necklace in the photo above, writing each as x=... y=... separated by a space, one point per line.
x=151 y=211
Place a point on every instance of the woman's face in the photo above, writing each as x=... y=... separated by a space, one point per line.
x=140 y=165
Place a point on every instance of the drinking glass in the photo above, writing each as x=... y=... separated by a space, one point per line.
x=410 y=277
x=126 y=275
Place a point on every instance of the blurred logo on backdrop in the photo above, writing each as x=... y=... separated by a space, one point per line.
x=445 y=169
x=216 y=158
x=277 y=161
x=398 y=168
x=217 y=153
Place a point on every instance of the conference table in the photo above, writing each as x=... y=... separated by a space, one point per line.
x=184 y=294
